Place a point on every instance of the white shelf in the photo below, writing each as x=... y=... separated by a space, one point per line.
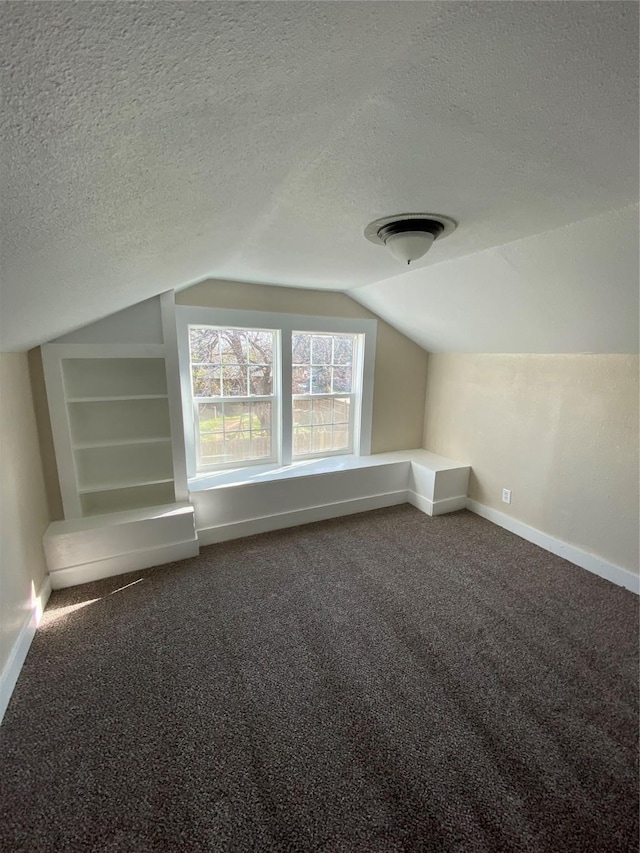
x=124 y=421
x=103 y=378
x=123 y=465
x=117 y=398
x=98 y=488
x=113 y=424
x=129 y=498
x=122 y=442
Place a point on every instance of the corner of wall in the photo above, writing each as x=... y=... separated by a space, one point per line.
x=24 y=516
x=45 y=435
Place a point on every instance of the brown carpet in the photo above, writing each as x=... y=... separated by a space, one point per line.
x=379 y=683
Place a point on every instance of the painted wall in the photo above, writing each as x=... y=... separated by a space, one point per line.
x=560 y=431
x=23 y=503
x=401 y=365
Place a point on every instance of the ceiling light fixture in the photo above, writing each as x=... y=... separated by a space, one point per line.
x=409 y=236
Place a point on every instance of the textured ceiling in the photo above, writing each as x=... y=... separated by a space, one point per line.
x=148 y=145
x=573 y=289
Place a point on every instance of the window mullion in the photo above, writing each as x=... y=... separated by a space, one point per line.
x=286 y=400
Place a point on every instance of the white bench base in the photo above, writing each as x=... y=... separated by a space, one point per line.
x=234 y=504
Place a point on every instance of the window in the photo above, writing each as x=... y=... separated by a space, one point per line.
x=232 y=386
x=324 y=376
x=262 y=388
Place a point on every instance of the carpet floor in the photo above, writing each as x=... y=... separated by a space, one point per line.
x=377 y=683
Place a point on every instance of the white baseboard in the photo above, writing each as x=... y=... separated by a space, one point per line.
x=436 y=507
x=11 y=671
x=133 y=561
x=591 y=562
x=294 y=518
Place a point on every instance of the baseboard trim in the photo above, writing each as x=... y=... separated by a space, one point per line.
x=590 y=562
x=23 y=641
x=436 y=507
x=132 y=561
x=294 y=518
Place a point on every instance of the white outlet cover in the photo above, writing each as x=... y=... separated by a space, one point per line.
x=506 y=496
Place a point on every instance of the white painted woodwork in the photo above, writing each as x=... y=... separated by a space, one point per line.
x=86 y=549
x=285 y=324
x=174 y=393
x=116 y=415
x=32 y=618
x=113 y=377
x=128 y=497
x=243 y=502
x=591 y=562
x=133 y=420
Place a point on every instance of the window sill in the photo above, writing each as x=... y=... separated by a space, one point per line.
x=311 y=467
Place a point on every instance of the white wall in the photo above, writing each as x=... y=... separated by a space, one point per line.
x=560 y=431
x=23 y=518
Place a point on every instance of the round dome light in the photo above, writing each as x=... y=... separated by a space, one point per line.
x=409 y=236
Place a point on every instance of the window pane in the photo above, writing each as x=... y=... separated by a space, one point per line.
x=321 y=439
x=233 y=346
x=260 y=347
x=210 y=417
x=300 y=348
x=260 y=416
x=261 y=444
x=322 y=411
x=237 y=417
x=342 y=378
x=203 y=344
x=321 y=349
x=341 y=410
x=237 y=446
x=329 y=430
x=206 y=381
x=301 y=441
x=320 y=380
x=300 y=380
x=260 y=380
x=228 y=363
x=246 y=433
x=340 y=437
x=342 y=350
x=212 y=448
x=328 y=369
x=234 y=381
x=301 y=412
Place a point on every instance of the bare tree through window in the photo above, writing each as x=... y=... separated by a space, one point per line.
x=233 y=388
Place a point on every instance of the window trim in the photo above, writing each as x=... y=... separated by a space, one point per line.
x=187 y=315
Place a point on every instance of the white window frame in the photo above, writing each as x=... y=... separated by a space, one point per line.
x=273 y=398
x=286 y=324
x=354 y=396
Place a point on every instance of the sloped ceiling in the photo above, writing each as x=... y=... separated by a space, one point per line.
x=573 y=289
x=149 y=145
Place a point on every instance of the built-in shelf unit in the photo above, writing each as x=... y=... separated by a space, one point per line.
x=116 y=417
x=112 y=426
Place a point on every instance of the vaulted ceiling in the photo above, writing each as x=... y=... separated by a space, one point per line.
x=148 y=145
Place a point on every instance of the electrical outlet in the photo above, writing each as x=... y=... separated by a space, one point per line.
x=506 y=496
